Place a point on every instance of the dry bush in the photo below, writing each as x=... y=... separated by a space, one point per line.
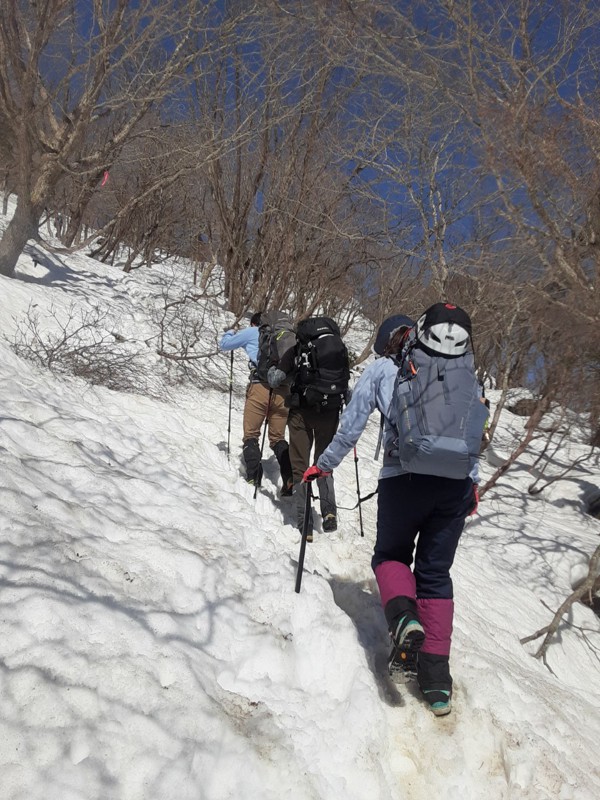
x=186 y=334
x=81 y=343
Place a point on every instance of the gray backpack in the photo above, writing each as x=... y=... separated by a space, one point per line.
x=440 y=418
x=276 y=341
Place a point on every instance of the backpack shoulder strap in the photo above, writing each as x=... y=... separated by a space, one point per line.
x=404 y=360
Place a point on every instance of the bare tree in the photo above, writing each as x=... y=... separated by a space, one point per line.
x=285 y=224
x=69 y=71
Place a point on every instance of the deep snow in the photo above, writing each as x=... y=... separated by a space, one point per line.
x=152 y=644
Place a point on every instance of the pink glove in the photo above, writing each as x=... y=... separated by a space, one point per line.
x=475 y=500
x=312 y=473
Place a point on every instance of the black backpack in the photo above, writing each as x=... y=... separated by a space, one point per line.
x=322 y=364
x=276 y=342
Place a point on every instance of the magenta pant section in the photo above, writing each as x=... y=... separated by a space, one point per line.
x=394 y=579
x=436 y=618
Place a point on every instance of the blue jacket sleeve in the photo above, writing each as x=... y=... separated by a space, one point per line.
x=232 y=340
x=474 y=474
x=246 y=338
x=365 y=399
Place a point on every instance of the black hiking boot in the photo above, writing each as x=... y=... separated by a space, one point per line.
x=256 y=478
x=439 y=701
x=407 y=640
x=407 y=635
x=329 y=523
x=287 y=490
x=435 y=682
x=251 y=455
x=282 y=454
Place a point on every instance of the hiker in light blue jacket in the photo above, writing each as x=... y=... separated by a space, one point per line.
x=420 y=515
x=263 y=402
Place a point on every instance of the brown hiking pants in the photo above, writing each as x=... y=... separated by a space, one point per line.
x=258 y=407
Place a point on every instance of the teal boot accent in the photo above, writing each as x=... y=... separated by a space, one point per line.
x=407 y=640
x=439 y=700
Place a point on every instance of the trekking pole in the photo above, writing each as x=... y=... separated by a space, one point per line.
x=230 y=400
x=262 y=445
x=379 y=440
x=362 y=533
x=304 y=536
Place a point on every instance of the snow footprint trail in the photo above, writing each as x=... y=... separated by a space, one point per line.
x=409 y=732
x=424 y=755
x=427 y=756
x=438 y=757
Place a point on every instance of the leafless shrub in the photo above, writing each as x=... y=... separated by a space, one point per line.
x=81 y=343
x=186 y=334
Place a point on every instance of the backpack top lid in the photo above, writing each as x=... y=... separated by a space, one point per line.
x=388 y=328
x=275 y=320
x=314 y=327
x=444 y=329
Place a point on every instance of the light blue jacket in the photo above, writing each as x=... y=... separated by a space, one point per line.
x=373 y=391
x=246 y=338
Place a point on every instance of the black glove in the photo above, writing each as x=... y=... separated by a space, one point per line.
x=275 y=377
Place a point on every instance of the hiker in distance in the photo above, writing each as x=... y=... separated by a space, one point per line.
x=426 y=373
x=320 y=388
x=262 y=403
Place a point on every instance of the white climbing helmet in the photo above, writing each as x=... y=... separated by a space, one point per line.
x=444 y=329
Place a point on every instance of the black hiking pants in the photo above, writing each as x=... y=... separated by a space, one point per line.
x=308 y=426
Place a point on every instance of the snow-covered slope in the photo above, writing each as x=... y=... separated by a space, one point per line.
x=152 y=644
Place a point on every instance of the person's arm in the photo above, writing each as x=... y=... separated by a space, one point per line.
x=474 y=474
x=232 y=340
x=287 y=362
x=284 y=371
x=355 y=417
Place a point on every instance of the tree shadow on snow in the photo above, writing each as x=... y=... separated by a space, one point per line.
x=51 y=270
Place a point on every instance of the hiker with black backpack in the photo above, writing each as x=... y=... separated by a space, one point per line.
x=434 y=418
x=320 y=388
x=265 y=404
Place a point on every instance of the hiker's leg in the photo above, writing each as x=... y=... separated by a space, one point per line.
x=301 y=440
x=255 y=410
x=436 y=548
x=325 y=425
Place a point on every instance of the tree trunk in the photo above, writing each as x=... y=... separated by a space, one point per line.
x=77 y=210
x=73 y=228
x=22 y=227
